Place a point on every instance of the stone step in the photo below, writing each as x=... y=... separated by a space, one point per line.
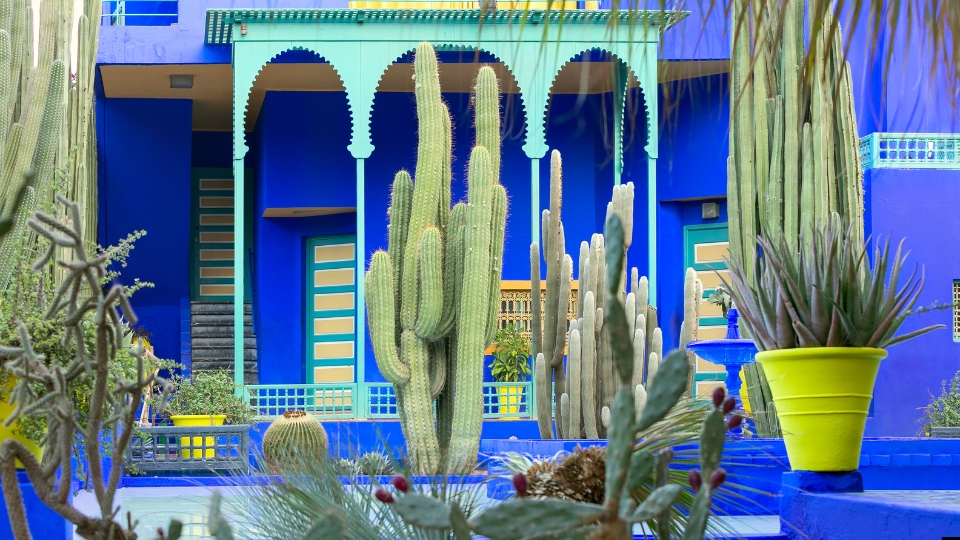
x=217 y=307
x=225 y=355
x=206 y=319
x=219 y=331
x=221 y=343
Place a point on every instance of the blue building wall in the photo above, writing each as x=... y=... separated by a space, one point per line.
x=145 y=148
x=899 y=208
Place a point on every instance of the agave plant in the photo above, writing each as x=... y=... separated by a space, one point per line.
x=824 y=293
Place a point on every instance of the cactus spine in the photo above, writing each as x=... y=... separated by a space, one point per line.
x=591 y=380
x=794 y=147
x=294 y=436
x=430 y=295
x=47 y=131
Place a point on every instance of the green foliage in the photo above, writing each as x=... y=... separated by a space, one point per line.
x=208 y=393
x=511 y=355
x=431 y=296
x=943 y=410
x=827 y=294
x=720 y=297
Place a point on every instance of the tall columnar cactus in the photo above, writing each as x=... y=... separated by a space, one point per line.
x=583 y=396
x=46 y=119
x=431 y=295
x=794 y=155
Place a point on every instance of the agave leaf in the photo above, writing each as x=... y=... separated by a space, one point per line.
x=891 y=316
x=910 y=335
x=805 y=336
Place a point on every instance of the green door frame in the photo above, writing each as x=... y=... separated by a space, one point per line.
x=697 y=234
x=310 y=313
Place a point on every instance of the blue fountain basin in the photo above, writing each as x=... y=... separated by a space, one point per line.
x=725 y=352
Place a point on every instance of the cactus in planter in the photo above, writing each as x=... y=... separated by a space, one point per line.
x=431 y=296
x=626 y=471
x=782 y=96
x=590 y=382
x=296 y=435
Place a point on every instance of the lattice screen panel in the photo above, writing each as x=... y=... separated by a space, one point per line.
x=516 y=299
x=956 y=310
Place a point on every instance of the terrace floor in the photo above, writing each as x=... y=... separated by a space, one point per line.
x=154 y=507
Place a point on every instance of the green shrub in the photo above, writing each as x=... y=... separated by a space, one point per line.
x=943 y=411
x=206 y=393
x=511 y=356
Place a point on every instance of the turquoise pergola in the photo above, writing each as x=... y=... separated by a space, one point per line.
x=361 y=44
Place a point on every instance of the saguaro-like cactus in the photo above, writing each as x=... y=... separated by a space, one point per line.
x=583 y=396
x=794 y=150
x=46 y=119
x=431 y=295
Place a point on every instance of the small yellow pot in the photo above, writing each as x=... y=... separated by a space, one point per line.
x=193 y=420
x=6 y=410
x=822 y=395
x=509 y=401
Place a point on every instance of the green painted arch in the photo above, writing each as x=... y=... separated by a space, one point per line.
x=256 y=55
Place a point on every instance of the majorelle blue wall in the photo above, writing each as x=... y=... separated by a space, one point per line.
x=916 y=206
x=145 y=149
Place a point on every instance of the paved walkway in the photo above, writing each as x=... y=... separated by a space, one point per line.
x=154 y=507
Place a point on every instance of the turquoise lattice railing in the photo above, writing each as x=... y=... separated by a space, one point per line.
x=139 y=12
x=504 y=401
x=322 y=400
x=910 y=151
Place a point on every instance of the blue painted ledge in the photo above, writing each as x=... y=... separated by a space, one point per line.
x=755 y=467
x=44 y=523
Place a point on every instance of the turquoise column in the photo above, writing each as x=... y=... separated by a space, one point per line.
x=238 y=274
x=361 y=311
x=653 y=207
x=535 y=200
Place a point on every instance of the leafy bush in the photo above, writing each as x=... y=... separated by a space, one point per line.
x=943 y=411
x=206 y=393
x=511 y=355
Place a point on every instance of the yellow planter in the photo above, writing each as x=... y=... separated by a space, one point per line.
x=509 y=401
x=6 y=410
x=822 y=396
x=744 y=396
x=194 y=420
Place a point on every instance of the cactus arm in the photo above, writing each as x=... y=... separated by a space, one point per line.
x=487 y=117
x=639 y=354
x=452 y=271
x=630 y=307
x=582 y=271
x=420 y=433
x=574 y=388
x=588 y=384
x=381 y=309
x=431 y=282
x=401 y=197
x=542 y=388
x=438 y=367
x=498 y=231
x=472 y=319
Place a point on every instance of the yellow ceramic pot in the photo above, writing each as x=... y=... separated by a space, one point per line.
x=509 y=401
x=193 y=420
x=822 y=396
x=6 y=410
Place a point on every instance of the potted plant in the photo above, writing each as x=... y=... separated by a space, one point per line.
x=942 y=417
x=511 y=364
x=822 y=318
x=207 y=398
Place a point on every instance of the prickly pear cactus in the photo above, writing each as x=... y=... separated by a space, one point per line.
x=431 y=296
x=47 y=130
x=294 y=435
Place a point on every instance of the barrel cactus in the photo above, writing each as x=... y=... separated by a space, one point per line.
x=432 y=295
x=294 y=435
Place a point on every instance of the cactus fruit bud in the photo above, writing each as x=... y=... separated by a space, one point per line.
x=718 y=395
x=695 y=480
x=734 y=421
x=717 y=478
x=400 y=482
x=520 y=484
x=728 y=405
x=384 y=497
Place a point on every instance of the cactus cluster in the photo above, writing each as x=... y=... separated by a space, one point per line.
x=432 y=296
x=47 y=131
x=584 y=393
x=794 y=151
x=628 y=473
x=295 y=435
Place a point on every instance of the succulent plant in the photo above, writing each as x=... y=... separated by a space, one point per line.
x=583 y=396
x=824 y=293
x=431 y=297
x=295 y=435
x=578 y=476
